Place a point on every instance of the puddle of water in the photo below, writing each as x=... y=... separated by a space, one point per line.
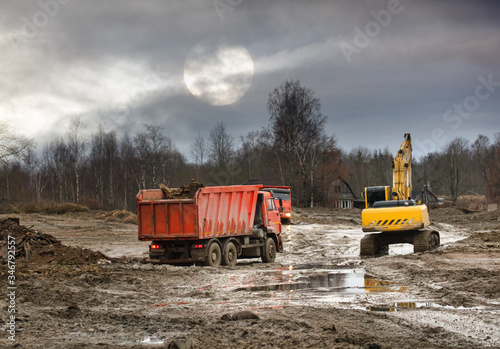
x=400 y=249
x=309 y=266
x=152 y=341
x=318 y=279
x=418 y=305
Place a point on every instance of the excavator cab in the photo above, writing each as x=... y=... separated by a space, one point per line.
x=374 y=194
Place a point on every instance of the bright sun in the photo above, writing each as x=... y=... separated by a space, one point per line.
x=217 y=72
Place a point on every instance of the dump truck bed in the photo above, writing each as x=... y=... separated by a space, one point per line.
x=212 y=212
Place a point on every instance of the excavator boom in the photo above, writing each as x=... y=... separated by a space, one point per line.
x=402 y=170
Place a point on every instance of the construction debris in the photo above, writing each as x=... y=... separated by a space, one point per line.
x=35 y=246
x=122 y=216
x=184 y=192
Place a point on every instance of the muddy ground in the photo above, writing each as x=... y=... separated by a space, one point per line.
x=318 y=294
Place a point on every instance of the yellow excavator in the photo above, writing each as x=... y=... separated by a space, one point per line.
x=392 y=216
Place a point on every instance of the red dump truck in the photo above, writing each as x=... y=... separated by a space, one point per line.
x=283 y=199
x=216 y=226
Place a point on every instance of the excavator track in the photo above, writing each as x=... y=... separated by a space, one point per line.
x=377 y=244
x=372 y=245
x=426 y=240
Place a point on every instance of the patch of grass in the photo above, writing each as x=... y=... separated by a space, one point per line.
x=65 y=208
x=49 y=208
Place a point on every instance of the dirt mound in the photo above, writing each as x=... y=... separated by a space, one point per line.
x=184 y=192
x=492 y=216
x=34 y=246
x=122 y=216
x=324 y=215
x=489 y=238
x=447 y=211
x=455 y=215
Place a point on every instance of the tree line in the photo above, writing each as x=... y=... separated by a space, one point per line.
x=104 y=170
x=459 y=168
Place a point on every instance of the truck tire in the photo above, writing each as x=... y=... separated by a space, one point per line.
x=230 y=255
x=269 y=251
x=213 y=257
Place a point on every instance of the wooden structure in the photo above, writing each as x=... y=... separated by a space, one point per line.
x=340 y=194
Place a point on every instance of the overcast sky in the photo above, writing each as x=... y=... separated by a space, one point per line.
x=379 y=68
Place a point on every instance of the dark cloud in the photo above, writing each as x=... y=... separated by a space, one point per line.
x=120 y=63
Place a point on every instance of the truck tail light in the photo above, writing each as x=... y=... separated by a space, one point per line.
x=155 y=247
x=198 y=246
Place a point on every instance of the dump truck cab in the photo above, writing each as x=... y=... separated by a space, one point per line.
x=272 y=220
x=283 y=201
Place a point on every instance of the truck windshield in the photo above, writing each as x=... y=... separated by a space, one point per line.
x=282 y=196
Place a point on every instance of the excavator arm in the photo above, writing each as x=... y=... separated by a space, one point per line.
x=402 y=171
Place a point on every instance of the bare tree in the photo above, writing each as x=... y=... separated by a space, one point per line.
x=221 y=146
x=55 y=155
x=76 y=148
x=357 y=168
x=104 y=162
x=155 y=152
x=33 y=167
x=199 y=152
x=96 y=163
x=297 y=127
x=11 y=143
x=142 y=147
x=493 y=181
x=129 y=163
x=480 y=155
x=250 y=155
x=324 y=168
x=111 y=165
x=198 y=149
x=455 y=156
x=158 y=148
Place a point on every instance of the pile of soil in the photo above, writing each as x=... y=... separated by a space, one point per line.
x=485 y=239
x=34 y=246
x=455 y=215
x=325 y=215
x=122 y=216
x=184 y=192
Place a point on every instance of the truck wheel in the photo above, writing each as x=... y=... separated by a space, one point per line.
x=230 y=255
x=269 y=252
x=213 y=257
